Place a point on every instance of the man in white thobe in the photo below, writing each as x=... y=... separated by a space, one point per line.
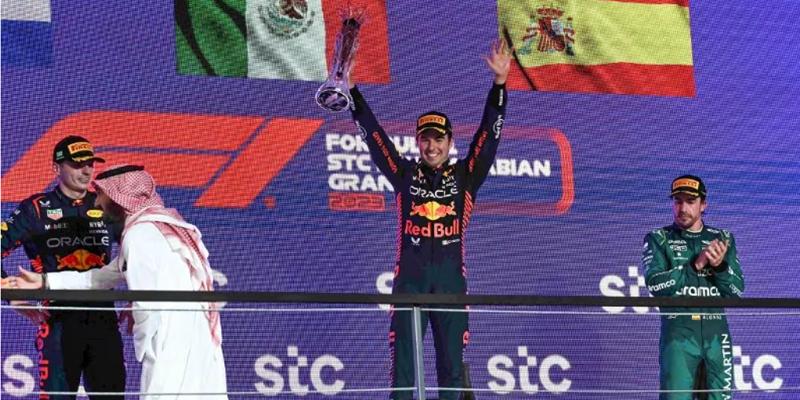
x=180 y=351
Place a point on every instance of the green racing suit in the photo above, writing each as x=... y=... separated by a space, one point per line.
x=687 y=340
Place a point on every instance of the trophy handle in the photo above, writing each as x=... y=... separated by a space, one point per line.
x=333 y=98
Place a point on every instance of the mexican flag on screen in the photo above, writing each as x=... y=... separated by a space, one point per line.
x=607 y=46
x=275 y=39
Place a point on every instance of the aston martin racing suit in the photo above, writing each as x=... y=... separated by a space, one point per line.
x=434 y=207
x=686 y=340
x=60 y=233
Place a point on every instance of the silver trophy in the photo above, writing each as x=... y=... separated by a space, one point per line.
x=334 y=94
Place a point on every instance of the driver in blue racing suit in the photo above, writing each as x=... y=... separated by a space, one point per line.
x=435 y=200
x=62 y=230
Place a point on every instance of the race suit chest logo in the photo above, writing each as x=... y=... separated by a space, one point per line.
x=80 y=260
x=432 y=210
x=57 y=226
x=55 y=214
x=433 y=229
x=440 y=194
x=446 y=188
x=73 y=241
x=679 y=248
x=678 y=245
x=699 y=291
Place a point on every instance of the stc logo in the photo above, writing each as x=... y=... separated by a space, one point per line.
x=298 y=371
x=301 y=373
x=227 y=153
x=506 y=373
x=632 y=285
x=757 y=371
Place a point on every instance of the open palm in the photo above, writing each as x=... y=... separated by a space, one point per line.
x=499 y=61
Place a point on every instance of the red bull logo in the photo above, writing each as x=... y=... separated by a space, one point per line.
x=44 y=363
x=433 y=229
x=80 y=260
x=433 y=210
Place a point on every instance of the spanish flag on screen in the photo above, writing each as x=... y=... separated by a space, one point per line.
x=639 y=47
x=276 y=39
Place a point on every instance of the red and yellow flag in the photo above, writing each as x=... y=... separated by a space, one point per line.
x=603 y=46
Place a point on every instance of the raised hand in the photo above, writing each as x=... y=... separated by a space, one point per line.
x=499 y=61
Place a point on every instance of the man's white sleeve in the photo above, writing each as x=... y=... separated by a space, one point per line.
x=99 y=278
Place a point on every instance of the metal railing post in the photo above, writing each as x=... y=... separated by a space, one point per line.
x=419 y=364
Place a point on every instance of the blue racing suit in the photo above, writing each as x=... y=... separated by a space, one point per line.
x=62 y=234
x=434 y=208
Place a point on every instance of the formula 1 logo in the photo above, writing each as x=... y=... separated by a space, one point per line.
x=232 y=158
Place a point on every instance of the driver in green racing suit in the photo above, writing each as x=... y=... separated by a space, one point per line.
x=689 y=258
